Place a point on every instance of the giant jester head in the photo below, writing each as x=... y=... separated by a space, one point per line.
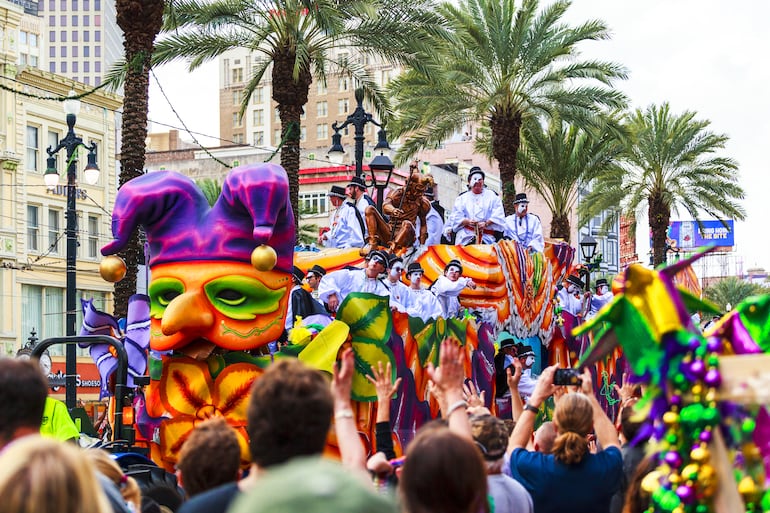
x=220 y=275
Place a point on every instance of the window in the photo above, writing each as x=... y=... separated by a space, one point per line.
x=75 y=19
x=93 y=236
x=237 y=75
x=52 y=36
x=322 y=131
x=343 y=58
x=52 y=21
x=236 y=119
x=74 y=5
x=322 y=109
x=303 y=134
x=87 y=80
x=236 y=97
x=258 y=96
x=98 y=67
x=74 y=36
x=86 y=5
x=63 y=5
x=51 y=5
x=238 y=138
x=33 y=147
x=33 y=61
x=43 y=309
x=86 y=66
x=52 y=51
x=63 y=20
x=63 y=66
x=63 y=36
x=344 y=84
x=259 y=138
x=22 y=37
x=33 y=228
x=343 y=105
x=313 y=203
x=54 y=217
x=86 y=51
x=97 y=5
x=52 y=67
x=86 y=36
x=75 y=69
x=321 y=87
x=22 y=58
x=259 y=117
x=98 y=36
x=98 y=22
x=86 y=20
x=74 y=51
x=63 y=51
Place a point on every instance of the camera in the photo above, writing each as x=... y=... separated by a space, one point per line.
x=567 y=377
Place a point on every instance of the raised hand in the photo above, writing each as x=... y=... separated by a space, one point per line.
x=380 y=378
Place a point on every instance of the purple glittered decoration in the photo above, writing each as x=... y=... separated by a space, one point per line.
x=253 y=209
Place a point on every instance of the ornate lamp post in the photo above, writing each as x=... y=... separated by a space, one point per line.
x=588 y=251
x=359 y=118
x=71 y=143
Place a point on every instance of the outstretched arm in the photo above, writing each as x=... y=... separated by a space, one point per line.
x=351 y=449
x=448 y=379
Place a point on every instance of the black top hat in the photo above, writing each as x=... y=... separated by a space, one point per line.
x=575 y=281
x=298 y=274
x=506 y=339
x=520 y=198
x=317 y=270
x=522 y=350
x=378 y=256
x=337 y=191
x=475 y=170
x=414 y=267
x=357 y=181
x=453 y=262
x=600 y=282
x=394 y=259
x=428 y=192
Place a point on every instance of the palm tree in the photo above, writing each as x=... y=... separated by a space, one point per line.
x=555 y=160
x=140 y=21
x=670 y=163
x=296 y=40
x=732 y=290
x=504 y=66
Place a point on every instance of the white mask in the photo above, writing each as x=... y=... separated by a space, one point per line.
x=415 y=276
x=602 y=290
x=570 y=289
x=522 y=207
x=530 y=361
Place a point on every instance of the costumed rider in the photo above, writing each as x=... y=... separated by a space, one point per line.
x=356 y=191
x=570 y=295
x=336 y=285
x=523 y=227
x=346 y=223
x=313 y=279
x=478 y=216
x=420 y=302
x=434 y=220
x=398 y=291
x=526 y=356
x=602 y=297
x=448 y=287
x=504 y=359
x=301 y=303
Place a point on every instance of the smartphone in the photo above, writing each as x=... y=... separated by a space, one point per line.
x=567 y=377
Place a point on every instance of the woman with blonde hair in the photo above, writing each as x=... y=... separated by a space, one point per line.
x=41 y=475
x=571 y=478
x=129 y=489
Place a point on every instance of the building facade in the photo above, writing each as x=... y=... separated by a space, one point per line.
x=33 y=218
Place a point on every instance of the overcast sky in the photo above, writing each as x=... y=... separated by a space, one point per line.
x=709 y=56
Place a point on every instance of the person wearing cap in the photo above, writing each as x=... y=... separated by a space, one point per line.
x=345 y=222
x=477 y=214
x=526 y=356
x=447 y=288
x=356 y=191
x=420 y=302
x=434 y=219
x=336 y=285
x=313 y=279
x=602 y=297
x=523 y=227
x=504 y=359
x=398 y=291
x=571 y=295
x=301 y=303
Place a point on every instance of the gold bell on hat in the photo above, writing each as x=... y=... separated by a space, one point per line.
x=112 y=269
x=264 y=258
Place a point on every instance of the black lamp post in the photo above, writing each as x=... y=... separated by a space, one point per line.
x=71 y=143
x=588 y=251
x=359 y=118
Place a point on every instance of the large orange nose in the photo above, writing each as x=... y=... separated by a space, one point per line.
x=186 y=312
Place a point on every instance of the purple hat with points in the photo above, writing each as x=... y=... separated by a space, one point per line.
x=253 y=209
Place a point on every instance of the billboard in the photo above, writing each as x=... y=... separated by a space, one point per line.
x=688 y=235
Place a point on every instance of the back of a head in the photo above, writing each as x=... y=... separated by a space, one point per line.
x=39 y=474
x=290 y=412
x=443 y=472
x=491 y=436
x=201 y=472
x=23 y=390
x=573 y=417
x=128 y=487
x=545 y=436
x=629 y=424
x=312 y=485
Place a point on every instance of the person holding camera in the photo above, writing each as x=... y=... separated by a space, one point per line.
x=570 y=478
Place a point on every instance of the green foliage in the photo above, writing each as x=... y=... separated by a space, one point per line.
x=210 y=188
x=503 y=63
x=732 y=290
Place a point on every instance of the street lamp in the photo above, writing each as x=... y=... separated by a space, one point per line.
x=588 y=251
x=71 y=143
x=381 y=163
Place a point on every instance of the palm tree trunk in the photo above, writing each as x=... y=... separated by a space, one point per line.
x=560 y=227
x=140 y=21
x=659 y=214
x=291 y=96
x=506 y=139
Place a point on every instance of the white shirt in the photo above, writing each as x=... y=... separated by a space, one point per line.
x=345 y=281
x=599 y=300
x=423 y=304
x=289 y=324
x=526 y=230
x=398 y=294
x=447 y=292
x=435 y=227
x=486 y=206
x=345 y=230
x=569 y=302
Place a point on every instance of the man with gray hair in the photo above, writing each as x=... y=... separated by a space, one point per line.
x=478 y=215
